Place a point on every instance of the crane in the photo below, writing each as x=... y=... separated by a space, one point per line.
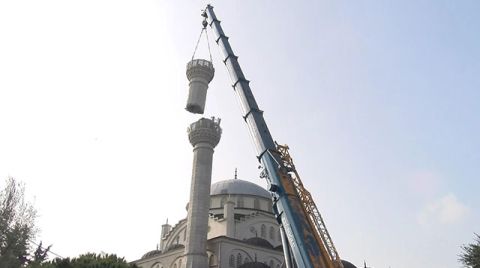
x=305 y=238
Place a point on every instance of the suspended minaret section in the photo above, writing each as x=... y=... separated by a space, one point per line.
x=199 y=73
x=204 y=135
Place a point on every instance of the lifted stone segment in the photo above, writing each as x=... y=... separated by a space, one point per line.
x=199 y=73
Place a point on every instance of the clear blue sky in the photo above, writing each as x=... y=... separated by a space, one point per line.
x=378 y=100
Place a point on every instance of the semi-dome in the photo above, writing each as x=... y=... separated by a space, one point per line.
x=237 y=186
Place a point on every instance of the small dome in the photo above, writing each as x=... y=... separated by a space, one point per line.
x=254 y=265
x=238 y=187
x=347 y=264
x=151 y=253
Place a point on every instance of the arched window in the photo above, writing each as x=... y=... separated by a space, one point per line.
x=271 y=233
x=263 y=231
x=271 y=263
x=231 y=262
x=240 y=202
x=278 y=266
x=156 y=265
x=223 y=201
x=175 y=265
x=177 y=239
x=211 y=260
x=180 y=263
x=239 y=259
x=256 y=204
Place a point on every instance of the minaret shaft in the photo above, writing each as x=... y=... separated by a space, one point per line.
x=197 y=225
x=204 y=135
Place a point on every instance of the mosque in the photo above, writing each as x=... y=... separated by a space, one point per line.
x=229 y=224
x=242 y=231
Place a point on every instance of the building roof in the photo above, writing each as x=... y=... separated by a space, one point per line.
x=236 y=186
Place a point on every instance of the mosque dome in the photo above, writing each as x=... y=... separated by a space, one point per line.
x=237 y=186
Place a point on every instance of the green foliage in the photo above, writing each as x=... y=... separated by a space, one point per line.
x=470 y=256
x=89 y=260
x=17 y=225
x=39 y=256
x=17 y=229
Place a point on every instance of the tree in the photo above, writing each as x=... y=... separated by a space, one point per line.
x=17 y=225
x=470 y=256
x=89 y=260
x=17 y=228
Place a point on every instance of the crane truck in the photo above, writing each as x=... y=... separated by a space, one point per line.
x=306 y=241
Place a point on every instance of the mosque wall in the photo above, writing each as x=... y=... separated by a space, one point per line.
x=235 y=253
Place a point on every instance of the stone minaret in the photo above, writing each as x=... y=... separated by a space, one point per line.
x=204 y=135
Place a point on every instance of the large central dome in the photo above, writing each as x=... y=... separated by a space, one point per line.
x=238 y=187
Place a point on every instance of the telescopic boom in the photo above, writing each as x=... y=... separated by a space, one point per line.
x=304 y=232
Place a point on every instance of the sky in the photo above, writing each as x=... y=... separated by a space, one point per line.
x=379 y=102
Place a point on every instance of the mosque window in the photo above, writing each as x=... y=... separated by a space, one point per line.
x=271 y=233
x=211 y=260
x=263 y=231
x=180 y=263
x=231 y=262
x=271 y=264
x=175 y=265
x=239 y=259
x=256 y=204
x=240 y=202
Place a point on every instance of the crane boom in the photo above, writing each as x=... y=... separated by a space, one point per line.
x=302 y=224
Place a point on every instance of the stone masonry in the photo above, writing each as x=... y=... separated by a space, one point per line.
x=204 y=135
